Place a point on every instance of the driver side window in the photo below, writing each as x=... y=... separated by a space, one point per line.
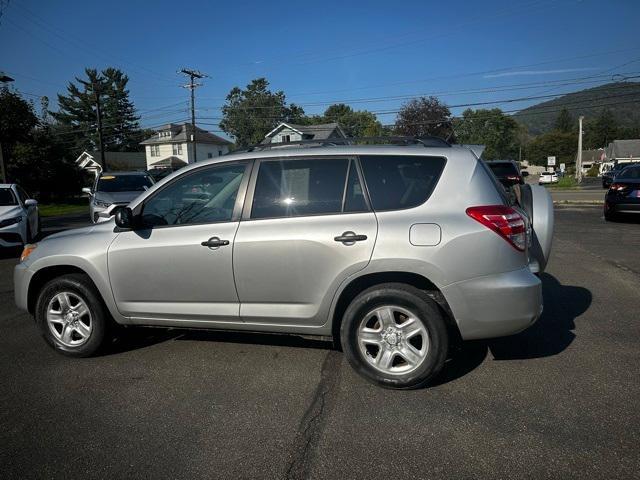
x=206 y=196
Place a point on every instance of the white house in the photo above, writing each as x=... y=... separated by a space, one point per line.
x=288 y=132
x=171 y=146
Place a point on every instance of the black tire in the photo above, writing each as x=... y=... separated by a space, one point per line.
x=610 y=217
x=29 y=236
x=81 y=286
x=422 y=307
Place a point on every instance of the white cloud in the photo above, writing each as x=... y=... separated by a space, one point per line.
x=538 y=72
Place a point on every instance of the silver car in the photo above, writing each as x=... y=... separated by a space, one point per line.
x=19 y=216
x=115 y=188
x=393 y=251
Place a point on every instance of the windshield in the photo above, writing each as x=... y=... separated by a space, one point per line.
x=7 y=197
x=123 y=183
x=503 y=169
x=630 y=173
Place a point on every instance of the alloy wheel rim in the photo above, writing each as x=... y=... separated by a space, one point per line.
x=393 y=340
x=69 y=319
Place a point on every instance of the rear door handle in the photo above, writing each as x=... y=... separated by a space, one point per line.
x=215 y=242
x=350 y=237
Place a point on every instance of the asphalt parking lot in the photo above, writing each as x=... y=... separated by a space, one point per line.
x=559 y=400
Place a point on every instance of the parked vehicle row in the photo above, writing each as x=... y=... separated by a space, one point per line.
x=607 y=177
x=394 y=251
x=623 y=196
x=19 y=216
x=115 y=189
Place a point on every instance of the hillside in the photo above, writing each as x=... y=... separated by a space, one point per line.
x=622 y=98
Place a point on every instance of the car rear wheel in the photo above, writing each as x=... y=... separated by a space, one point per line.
x=394 y=335
x=71 y=316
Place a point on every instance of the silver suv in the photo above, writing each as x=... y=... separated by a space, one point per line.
x=394 y=251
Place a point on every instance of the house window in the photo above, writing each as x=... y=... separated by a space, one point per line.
x=209 y=155
x=219 y=153
x=177 y=149
x=285 y=138
x=155 y=150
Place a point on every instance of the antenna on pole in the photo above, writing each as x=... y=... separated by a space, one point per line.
x=192 y=85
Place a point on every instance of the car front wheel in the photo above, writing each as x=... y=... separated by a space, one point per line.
x=394 y=335
x=71 y=316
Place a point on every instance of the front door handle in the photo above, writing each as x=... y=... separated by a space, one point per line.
x=350 y=237
x=215 y=242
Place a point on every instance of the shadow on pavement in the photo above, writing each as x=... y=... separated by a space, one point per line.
x=554 y=331
x=133 y=338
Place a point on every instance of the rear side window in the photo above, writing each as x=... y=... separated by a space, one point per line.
x=396 y=182
x=292 y=188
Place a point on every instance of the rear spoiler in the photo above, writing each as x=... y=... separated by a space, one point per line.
x=475 y=149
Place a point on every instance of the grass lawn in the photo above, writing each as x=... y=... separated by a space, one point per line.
x=55 y=209
x=565 y=182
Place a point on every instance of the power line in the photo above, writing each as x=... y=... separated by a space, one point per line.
x=192 y=85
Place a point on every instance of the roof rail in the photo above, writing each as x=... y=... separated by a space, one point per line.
x=332 y=142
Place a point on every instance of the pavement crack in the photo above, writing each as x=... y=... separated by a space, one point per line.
x=314 y=418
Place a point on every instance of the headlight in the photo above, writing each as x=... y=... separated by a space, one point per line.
x=98 y=203
x=10 y=221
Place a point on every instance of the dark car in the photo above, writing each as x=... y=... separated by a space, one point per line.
x=507 y=172
x=624 y=194
x=607 y=177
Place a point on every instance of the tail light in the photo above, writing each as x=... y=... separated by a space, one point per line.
x=513 y=178
x=618 y=187
x=503 y=220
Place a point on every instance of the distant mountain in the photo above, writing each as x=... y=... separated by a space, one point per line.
x=622 y=98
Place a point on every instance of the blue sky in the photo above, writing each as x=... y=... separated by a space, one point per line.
x=372 y=55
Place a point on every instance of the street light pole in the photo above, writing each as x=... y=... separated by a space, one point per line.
x=579 y=157
x=192 y=85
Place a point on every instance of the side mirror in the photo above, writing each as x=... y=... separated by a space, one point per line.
x=86 y=190
x=30 y=202
x=124 y=218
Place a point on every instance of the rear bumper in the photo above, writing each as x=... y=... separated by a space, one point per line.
x=495 y=305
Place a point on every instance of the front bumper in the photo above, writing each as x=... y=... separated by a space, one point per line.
x=495 y=305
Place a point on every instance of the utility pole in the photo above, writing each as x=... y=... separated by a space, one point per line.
x=192 y=85
x=96 y=94
x=3 y=176
x=579 y=157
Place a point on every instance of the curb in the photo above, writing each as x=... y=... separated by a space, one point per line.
x=598 y=203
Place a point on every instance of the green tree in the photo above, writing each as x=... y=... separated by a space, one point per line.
x=422 y=117
x=45 y=167
x=354 y=123
x=77 y=115
x=601 y=131
x=251 y=113
x=562 y=145
x=500 y=133
x=564 y=122
x=17 y=120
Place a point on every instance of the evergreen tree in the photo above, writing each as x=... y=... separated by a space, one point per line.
x=564 y=122
x=77 y=116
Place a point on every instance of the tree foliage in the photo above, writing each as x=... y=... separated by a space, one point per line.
x=564 y=122
x=422 y=117
x=492 y=128
x=251 y=113
x=354 y=123
x=601 y=130
x=77 y=113
x=35 y=156
x=562 y=145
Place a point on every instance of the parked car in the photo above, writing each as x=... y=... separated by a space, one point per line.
x=608 y=177
x=548 y=178
x=624 y=194
x=507 y=172
x=394 y=251
x=115 y=188
x=19 y=216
